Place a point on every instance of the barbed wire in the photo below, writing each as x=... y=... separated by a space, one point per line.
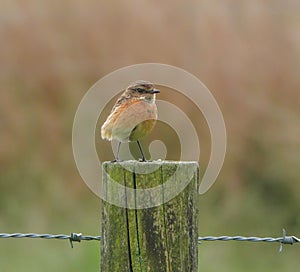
x=78 y=237
x=290 y=240
x=73 y=237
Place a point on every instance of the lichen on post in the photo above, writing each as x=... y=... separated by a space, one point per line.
x=153 y=229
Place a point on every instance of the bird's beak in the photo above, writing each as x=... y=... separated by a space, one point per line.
x=155 y=91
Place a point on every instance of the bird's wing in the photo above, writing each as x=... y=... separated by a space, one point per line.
x=122 y=99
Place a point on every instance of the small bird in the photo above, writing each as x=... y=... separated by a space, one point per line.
x=133 y=116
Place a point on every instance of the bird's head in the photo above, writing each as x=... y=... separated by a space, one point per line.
x=142 y=89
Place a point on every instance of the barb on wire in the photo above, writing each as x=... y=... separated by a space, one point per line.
x=78 y=237
x=73 y=237
x=282 y=240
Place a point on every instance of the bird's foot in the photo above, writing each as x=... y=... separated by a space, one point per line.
x=116 y=160
x=143 y=160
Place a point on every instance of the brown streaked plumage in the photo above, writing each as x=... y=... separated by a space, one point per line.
x=133 y=116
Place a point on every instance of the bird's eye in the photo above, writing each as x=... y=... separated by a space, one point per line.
x=140 y=90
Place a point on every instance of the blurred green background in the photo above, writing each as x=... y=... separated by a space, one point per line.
x=246 y=52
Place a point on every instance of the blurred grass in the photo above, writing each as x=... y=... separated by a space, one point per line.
x=246 y=52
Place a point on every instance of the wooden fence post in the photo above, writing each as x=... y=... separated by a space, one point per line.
x=157 y=239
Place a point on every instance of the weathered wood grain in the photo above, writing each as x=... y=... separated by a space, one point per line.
x=161 y=238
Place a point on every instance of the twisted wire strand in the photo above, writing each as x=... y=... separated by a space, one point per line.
x=78 y=237
x=240 y=238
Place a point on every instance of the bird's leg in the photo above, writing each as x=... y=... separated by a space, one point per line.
x=143 y=156
x=117 y=156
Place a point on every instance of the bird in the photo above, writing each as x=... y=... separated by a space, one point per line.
x=133 y=116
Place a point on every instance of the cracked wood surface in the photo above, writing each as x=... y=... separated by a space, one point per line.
x=160 y=239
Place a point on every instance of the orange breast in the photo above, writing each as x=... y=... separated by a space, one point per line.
x=131 y=121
